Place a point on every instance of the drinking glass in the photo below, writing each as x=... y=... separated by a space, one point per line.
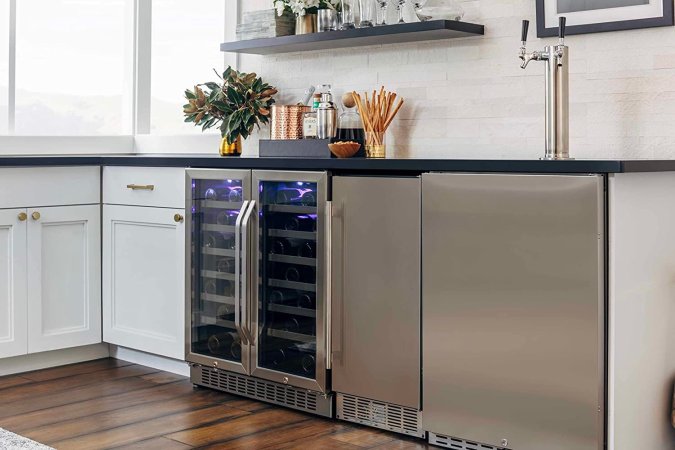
x=382 y=12
x=348 y=7
x=418 y=5
x=367 y=9
x=399 y=8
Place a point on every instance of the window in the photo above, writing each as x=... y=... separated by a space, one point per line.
x=183 y=56
x=4 y=66
x=73 y=67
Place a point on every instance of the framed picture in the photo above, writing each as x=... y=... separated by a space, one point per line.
x=594 y=16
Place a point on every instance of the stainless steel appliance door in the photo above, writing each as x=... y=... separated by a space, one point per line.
x=216 y=203
x=513 y=309
x=288 y=305
x=376 y=284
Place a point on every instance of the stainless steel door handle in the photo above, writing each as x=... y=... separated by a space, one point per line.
x=244 y=280
x=337 y=319
x=329 y=287
x=238 y=273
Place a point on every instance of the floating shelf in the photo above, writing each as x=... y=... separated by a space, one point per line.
x=358 y=37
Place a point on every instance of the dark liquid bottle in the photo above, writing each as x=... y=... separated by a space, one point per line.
x=307 y=301
x=225 y=312
x=300 y=223
x=217 y=240
x=225 y=265
x=307 y=250
x=282 y=297
x=275 y=357
x=351 y=134
x=226 y=218
x=221 y=343
x=288 y=196
x=219 y=287
x=308 y=198
x=283 y=246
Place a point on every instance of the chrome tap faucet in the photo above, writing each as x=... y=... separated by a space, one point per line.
x=556 y=58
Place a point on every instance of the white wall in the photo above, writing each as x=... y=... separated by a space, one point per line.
x=469 y=98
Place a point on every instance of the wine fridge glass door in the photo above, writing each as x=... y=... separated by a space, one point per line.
x=289 y=318
x=215 y=314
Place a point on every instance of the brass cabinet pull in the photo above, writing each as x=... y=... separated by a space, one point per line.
x=23 y=216
x=35 y=215
x=141 y=187
x=178 y=218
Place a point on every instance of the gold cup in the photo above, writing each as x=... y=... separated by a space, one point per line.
x=375 y=144
x=233 y=149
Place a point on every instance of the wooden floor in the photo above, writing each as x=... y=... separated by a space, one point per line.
x=114 y=404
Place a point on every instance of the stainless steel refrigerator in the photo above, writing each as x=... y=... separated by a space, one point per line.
x=256 y=295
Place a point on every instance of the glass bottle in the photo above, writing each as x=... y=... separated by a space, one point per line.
x=367 y=13
x=350 y=125
x=438 y=9
x=348 y=21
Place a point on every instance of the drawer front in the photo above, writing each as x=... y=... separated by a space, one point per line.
x=144 y=186
x=22 y=187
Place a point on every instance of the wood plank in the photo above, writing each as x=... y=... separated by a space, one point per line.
x=324 y=443
x=153 y=428
x=283 y=437
x=62 y=384
x=405 y=444
x=125 y=416
x=232 y=429
x=75 y=369
x=12 y=381
x=42 y=417
x=160 y=443
x=164 y=377
x=364 y=437
x=72 y=396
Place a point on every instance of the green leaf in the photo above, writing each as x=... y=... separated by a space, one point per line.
x=212 y=85
x=190 y=95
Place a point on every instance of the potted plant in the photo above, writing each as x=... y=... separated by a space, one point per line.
x=305 y=12
x=238 y=103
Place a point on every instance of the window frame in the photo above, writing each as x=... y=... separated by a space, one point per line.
x=140 y=140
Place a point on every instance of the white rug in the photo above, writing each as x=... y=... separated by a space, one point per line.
x=11 y=441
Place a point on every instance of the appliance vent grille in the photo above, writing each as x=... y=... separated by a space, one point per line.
x=258 y=389
x=459 y=444
x=380 y=414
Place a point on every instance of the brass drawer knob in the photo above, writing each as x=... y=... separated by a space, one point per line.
x=23 y=216
x=35 y=215
x=178 y=218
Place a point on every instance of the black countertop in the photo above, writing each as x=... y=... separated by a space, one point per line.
x=390 y=165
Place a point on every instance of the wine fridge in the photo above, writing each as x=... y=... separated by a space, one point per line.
x=257 y=297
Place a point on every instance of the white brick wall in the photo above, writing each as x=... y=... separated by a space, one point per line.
x=469 y=97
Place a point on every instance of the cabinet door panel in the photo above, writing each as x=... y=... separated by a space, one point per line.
x=144 y=279
x=12 y=284
x=64 y=277
x=376 y=288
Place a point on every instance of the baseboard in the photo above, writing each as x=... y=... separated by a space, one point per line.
x=44 y=360
x=150 y=360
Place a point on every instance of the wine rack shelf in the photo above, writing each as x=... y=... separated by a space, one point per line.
x=358 y=37
x=281 y=334
x=292 y=285
x=219 y=228
x=292 y=209
x=217 y=275
x=309 y=235
x=217 y=251
x=222 y=299
x=203 y=319
x=218 y=204
x=293 y=260
x=285 y=309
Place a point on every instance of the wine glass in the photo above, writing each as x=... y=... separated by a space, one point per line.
x=399 y=8
x=382 y=12
x=418 y=5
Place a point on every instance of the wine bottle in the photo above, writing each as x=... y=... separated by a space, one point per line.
x=301 y=274
x=226 y=218
x=219 y=287
x=282 y=246
x=221 y=343
x=308 y=198
x=225 y=312
x=307 y=354
x=300 y=223
x=275 y=357
x=307 y=250
x=235 y=350
x=217 y=240
x=282 y=297
x=225 y=265
x=307 y=300
x=288 y=196
x=302 y=325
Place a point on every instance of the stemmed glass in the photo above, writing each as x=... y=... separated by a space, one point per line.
x=418 y=5
x=382 y=12
x=399 y=8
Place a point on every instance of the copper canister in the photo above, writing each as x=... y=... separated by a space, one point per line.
x=287 y=121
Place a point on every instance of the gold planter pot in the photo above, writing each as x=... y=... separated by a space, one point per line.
x=305 y=24
x=227 y=149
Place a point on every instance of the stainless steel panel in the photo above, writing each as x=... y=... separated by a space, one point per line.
x=320 y=382
x=208 y=174
x=376 y=288
x=513 y=309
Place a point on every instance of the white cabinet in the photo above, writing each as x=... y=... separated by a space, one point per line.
x=144 y=279
x=64 y=277
x=13 y=327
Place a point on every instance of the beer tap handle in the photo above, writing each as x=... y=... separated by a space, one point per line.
x=523 y=35
x=561 y=28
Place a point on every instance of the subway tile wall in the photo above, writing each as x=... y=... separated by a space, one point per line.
x=468 y=98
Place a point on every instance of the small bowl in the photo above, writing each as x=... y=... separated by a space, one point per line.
x=344 y=149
